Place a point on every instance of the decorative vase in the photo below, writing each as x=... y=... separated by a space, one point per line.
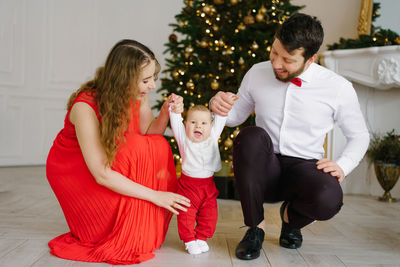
x=387 y=174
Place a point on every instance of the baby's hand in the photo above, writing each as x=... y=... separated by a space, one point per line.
x=176 y=103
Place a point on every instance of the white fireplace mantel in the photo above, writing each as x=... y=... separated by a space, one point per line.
x=376 y=67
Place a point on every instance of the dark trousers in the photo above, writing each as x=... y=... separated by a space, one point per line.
x=262 y=176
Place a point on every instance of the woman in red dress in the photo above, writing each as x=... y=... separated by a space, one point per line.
x=109 y=167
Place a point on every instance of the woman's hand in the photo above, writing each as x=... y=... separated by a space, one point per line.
x=170 y=201
x=177 y=103
x=151 y=125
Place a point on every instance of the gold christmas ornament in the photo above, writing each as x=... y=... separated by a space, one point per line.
x=254 y=45
x=218 y=2
x=203 y=43
x=228 y=142
x=241 y=61
x=234 y=2
x=187 y=8
x=259 y=17
x=175 y=74
x=236 y=132
x=173 y=38
x=206 y=9
x=263 y=9
x=241 y=26
x=214 y=84
x=190 y=84
x=189 y=49
x=249 y=19
x=229 y=51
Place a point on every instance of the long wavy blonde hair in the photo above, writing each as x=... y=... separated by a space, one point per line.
x=112 y=85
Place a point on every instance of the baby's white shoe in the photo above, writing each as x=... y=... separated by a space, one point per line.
x=192 y=247
x=203 y=246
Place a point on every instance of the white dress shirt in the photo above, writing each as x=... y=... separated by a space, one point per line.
x=202 y=159
x=298 y=118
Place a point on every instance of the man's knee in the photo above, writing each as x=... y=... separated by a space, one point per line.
x=328 y=200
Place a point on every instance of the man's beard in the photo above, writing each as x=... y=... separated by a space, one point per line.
x=290 y=75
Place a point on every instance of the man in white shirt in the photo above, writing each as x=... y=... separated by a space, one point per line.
x=296 y=103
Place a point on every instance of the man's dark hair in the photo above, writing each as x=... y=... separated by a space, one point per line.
x=301 y=30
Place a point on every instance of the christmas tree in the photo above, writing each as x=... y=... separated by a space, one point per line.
x=213 y=44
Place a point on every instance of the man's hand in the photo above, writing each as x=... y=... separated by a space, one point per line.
x=332 y=168
x=222 y=103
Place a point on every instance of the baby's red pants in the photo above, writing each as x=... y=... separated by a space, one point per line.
x=203 y=208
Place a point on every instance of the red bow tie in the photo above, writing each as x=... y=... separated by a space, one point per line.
x=296 y=81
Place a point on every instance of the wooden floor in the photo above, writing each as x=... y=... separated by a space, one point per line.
x=365 y=233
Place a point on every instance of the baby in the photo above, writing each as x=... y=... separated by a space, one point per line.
x=198 y=146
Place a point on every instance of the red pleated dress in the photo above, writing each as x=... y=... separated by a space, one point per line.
x=106 y=226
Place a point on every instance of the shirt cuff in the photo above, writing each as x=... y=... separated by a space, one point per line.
x=346 y=164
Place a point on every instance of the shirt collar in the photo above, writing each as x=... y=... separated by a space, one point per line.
x=306 y=76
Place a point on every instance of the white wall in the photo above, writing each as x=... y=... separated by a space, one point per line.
x=339 y=18
x=389 y=15
x=49 y=48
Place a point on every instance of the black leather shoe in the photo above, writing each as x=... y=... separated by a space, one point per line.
x=290 y=237
x=249 y=247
